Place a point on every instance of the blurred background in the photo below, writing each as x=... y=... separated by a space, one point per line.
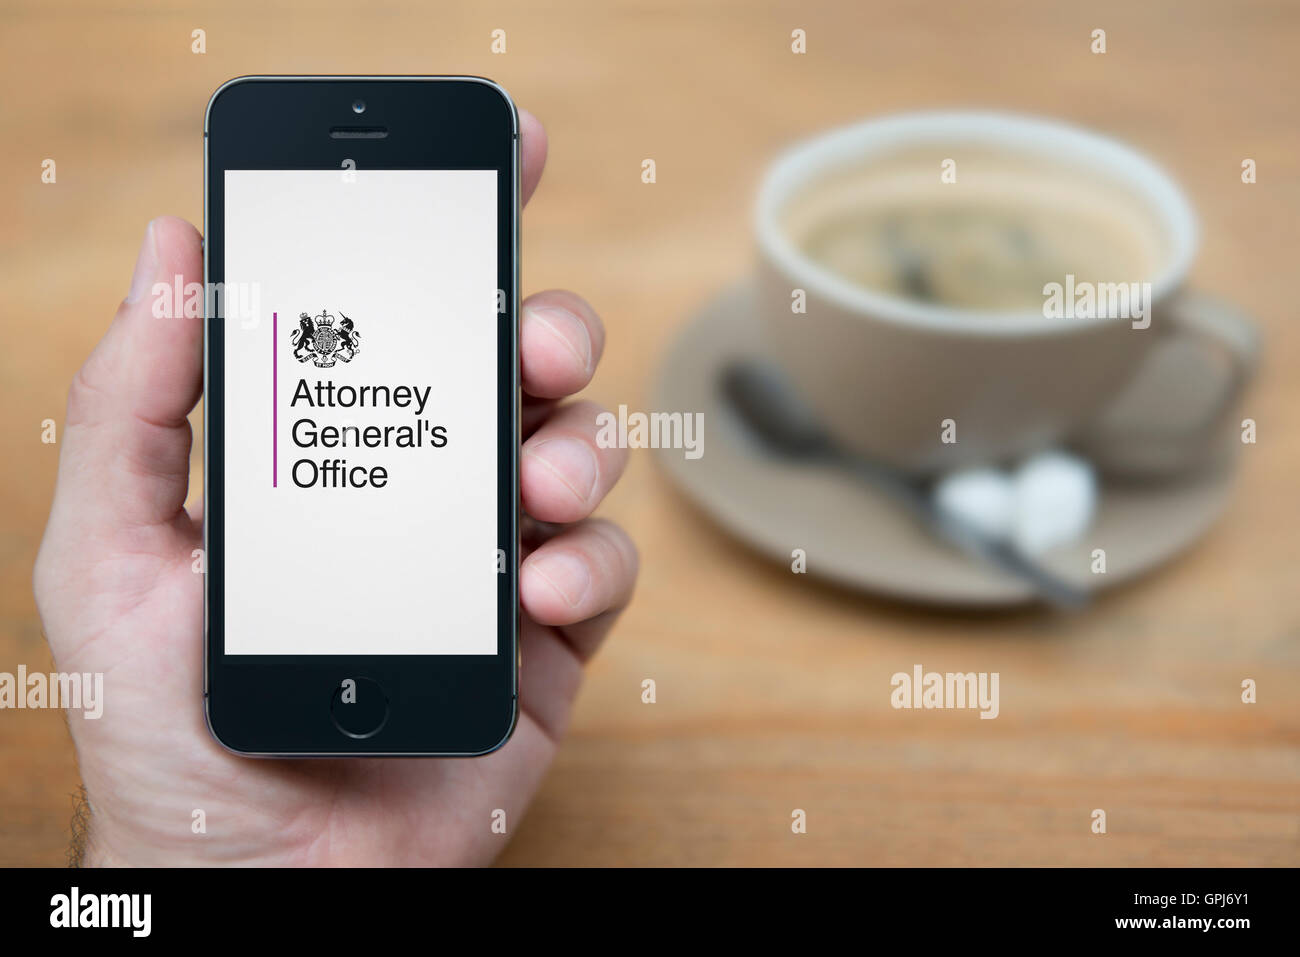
x=772 y=688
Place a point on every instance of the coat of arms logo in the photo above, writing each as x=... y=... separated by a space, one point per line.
x=321 y=340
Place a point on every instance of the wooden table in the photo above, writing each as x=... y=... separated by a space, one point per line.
x=772 y=689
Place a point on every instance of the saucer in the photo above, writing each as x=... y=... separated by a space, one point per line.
x=854 y=534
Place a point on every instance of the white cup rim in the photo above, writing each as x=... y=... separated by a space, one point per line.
x=798 y=166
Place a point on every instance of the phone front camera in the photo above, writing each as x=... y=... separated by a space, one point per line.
x=358 y=106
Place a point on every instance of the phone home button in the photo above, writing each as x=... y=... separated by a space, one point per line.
x=359 y=707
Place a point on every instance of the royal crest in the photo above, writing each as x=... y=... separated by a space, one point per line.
x=323 y=341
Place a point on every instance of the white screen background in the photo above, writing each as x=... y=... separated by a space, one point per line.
x=410 y=569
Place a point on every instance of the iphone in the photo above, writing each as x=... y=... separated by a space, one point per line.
x=361 y=426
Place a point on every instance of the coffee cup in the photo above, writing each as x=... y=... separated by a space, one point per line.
x=950 y=289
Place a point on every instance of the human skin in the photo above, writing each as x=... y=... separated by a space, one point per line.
x=117 y=595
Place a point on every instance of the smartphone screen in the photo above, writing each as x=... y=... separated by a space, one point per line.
x=364 y=470
x=361 y=416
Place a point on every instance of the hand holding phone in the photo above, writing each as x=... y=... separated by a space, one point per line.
x=119 y=592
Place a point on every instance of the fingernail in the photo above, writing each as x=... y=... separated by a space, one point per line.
x=572 y=461
x=146 y=267
x=566 y=573
x=570 y=330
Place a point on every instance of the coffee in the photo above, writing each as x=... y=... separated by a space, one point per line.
x=989 y=241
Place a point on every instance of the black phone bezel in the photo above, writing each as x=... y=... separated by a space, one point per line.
x=439 y=705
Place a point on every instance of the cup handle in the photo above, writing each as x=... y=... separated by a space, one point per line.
x=1135 y=450
x=1220 y=325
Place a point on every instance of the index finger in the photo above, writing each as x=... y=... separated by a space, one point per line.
x=532 y=140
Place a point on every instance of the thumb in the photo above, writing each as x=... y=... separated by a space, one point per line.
x=125 y=455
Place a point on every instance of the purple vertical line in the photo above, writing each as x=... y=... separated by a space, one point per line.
x=275 y=399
